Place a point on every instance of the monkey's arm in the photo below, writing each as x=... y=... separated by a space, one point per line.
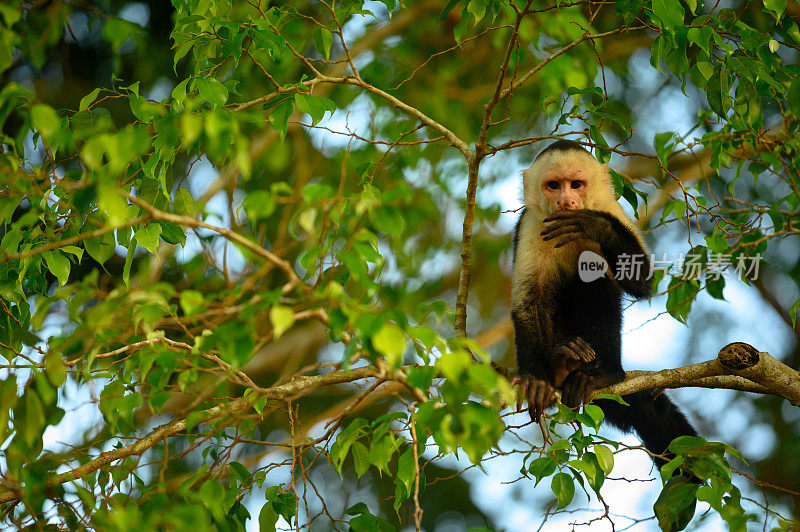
x=628 y=260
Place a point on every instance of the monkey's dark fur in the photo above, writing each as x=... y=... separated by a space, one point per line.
x=556 y=314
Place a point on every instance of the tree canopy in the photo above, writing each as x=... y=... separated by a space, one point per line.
x=255 y=256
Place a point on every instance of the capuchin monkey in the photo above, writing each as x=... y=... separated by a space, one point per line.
x=567 y=331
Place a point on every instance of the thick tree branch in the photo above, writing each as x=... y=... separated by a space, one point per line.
x=739 y=366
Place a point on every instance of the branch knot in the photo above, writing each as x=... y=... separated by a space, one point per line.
x=738 y=356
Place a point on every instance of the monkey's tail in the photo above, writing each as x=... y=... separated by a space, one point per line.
x=656 y=421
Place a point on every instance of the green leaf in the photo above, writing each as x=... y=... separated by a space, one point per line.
x=592 y=416
x=29 y=417
x=101 y=248
x=544 y=466
x=605 y=458
x=282 y=319
x=449 y=7
x=658 y=50
x=143 y=110
x=87 y=100
x=279 y=117
x=718 y=243
x=116 y=31
x=267 y=518
x=563 y=488
x=588 y=466
x=58 y=265
x=717 y=92
x=701 y=37
x=680 y=296
x=212 y=91
x=258 y=205
x=390 y=341
x=687 y=444
x=715 y=288
x=477 y=8
x=45 y=120
x=628 y=9
x=193 y=419
x=147 y=237
x=662 y=144
x=286 y=505
x=421 y=376
x=180 y=53
x=669 y=13
x=113 y=205
x=239 y=471
x=172 y=233
x=340 y=448
x=126 y=269
x=314 y=106
x=358 y=508
x=461 y=28
x=793 y=313
x=675 y=506
x=370 y=523
x=191 y=127
x=775 y=7
x=406 y=472
x=323 y=39
x=360 y=458
x=192 y=302
x=56 y=369
x=10 y=241
x=75 y=250
x=381 y=451
x=183 y=203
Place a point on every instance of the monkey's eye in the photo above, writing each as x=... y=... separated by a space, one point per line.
x=552 y=185
x=576 y=184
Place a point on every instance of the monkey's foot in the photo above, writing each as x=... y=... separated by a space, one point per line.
x=538 y=392
x=578 y=388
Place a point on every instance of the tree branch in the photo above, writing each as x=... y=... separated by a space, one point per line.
x=188 y=221
x=298 y=387
x=739 y=366
x=474 y=164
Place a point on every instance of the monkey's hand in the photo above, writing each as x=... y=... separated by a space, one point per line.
x=567 y=356
x=538 y=392
x=568 y=226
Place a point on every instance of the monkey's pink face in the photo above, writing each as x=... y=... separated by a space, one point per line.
x=564 y=192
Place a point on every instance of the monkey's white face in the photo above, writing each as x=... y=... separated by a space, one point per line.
x=564 y=192
x=561 y=181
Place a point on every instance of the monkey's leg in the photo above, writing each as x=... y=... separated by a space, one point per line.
x=581 y=383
